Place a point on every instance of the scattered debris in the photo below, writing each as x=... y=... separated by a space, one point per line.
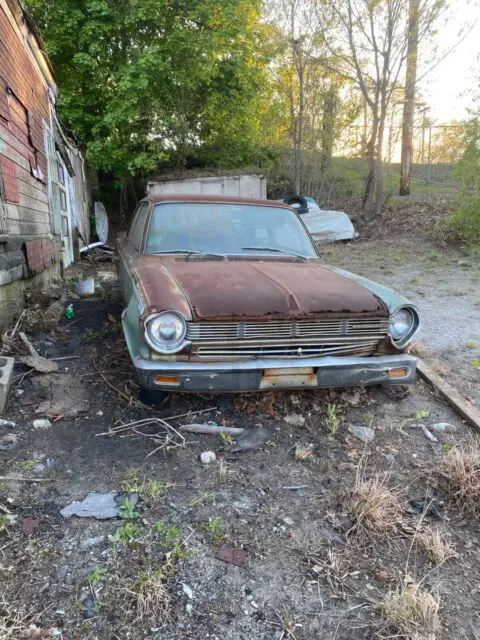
x=230 y=555
x=252 y=439
x=7 y=423
x=295 y=420
x=126 y=427
x=207 y=457
x=101 y=506
x=35 y=360
x=365 y=434
x=41 y=423
x=187 y=591
x=428 y=506
x=85 y=288
x=165 y=439
x=428 y=434
x=444 y=427
x=6 y=372
x=24 y=479
x=88 y=543
x=211 y=429
x=89 y=604
x=29 y=525
x=297 y=487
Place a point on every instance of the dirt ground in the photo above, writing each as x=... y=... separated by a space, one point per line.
x=309 y=558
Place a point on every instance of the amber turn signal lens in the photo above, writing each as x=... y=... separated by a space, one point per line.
x=174 y=381
x=397 y=373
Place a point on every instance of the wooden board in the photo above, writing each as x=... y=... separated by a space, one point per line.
x=465 y=408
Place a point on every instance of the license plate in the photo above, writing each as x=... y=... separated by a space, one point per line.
x=288 y=378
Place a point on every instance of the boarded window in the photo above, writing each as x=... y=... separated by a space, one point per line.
x=8 y=177
x=3 y=101
x=23 y=127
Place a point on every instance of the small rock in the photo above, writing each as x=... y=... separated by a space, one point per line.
x=8 y=442
x=288 y=521
x=189 y=607
x=99 y=413
x=187 y=591
x=89 y=605
x=444 y=427
x=231 y=556
x=389 y=457
x=295 y=420
x=207 y=457
x=365 y=434
x=71 y=413
x=41 y=423
x=39 y=468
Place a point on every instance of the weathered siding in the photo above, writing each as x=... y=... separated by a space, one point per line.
x=24 y=107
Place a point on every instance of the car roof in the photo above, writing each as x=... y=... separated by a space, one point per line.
x=185 y=197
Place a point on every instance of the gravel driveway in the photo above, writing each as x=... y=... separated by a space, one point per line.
x=444 y=285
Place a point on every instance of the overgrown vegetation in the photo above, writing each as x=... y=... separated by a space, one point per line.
x=411 y=613
x=458 y=472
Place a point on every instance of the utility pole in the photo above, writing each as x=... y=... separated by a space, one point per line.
x=409 y=104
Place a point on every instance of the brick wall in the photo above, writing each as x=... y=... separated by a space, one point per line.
x=24 y=106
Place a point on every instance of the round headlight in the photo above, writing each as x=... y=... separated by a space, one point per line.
x=165 y=332
x=401 y=324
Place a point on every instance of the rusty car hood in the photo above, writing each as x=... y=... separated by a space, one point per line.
x=216 y=290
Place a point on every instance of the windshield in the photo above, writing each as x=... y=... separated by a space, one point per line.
x=227 y=229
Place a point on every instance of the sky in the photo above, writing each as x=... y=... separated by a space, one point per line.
x=446 y=87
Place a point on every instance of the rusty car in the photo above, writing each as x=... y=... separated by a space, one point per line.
x=226 y=294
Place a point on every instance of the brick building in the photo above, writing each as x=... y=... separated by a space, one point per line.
x=44 y=200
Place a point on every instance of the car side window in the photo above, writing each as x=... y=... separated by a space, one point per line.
x=137 y=236
x=134 y=220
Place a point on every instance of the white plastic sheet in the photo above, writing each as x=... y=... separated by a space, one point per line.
x=328 y=226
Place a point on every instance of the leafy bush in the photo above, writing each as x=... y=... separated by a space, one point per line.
x=464 y=224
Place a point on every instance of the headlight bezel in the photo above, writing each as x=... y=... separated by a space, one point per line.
x=403 y=340
x=156 y=343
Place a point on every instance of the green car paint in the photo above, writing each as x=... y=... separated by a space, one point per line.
x=389 y=297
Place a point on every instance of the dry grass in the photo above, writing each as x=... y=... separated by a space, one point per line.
x=151 y=595
x=419 y=349
x=303 y=453
x=437 y=548
x=375 y=509
x=459 y=474
x=410 y=613
x=438 y=367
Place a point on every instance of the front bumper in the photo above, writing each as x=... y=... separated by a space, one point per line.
x=257 y=375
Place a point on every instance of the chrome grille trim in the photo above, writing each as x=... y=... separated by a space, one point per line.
x=275 y=329
x=286 y=351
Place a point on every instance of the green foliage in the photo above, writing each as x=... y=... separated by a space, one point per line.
x=127 y=510
x=144 y=82
x=332 y=419
x=464 y=224
x=96 y=576
x=213 y=529
x=127 y=533
x=168 y=534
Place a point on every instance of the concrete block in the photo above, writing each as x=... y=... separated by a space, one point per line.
x=6 y=374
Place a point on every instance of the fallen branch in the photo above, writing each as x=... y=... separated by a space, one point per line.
x=126 y=427
x=35 y=360
x=168 y=438
x=211 y=429
x=23 y=479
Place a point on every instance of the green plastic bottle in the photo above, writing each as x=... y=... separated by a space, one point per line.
x=69 y=312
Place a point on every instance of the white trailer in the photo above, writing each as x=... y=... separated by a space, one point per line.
x=247 y=185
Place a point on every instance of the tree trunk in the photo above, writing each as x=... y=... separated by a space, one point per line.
x=328 y=125
x=368 y=203
x=409 y=104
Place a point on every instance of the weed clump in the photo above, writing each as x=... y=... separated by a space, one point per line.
x=458 y=472
x=411 y=613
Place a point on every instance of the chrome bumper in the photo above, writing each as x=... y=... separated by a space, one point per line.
x=257 y=375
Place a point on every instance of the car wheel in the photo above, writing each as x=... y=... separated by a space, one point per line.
x=396 y=391
x=152 y=396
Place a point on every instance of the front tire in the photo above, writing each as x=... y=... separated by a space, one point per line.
x=152 y=396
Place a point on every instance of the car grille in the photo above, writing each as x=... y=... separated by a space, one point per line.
x=280 y=338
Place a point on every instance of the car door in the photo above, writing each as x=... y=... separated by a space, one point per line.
x=130 y=249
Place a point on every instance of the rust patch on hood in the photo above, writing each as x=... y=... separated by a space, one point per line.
x=213 y=290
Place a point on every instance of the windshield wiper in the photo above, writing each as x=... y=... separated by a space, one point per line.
x=274 y=250
x=189 y=253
